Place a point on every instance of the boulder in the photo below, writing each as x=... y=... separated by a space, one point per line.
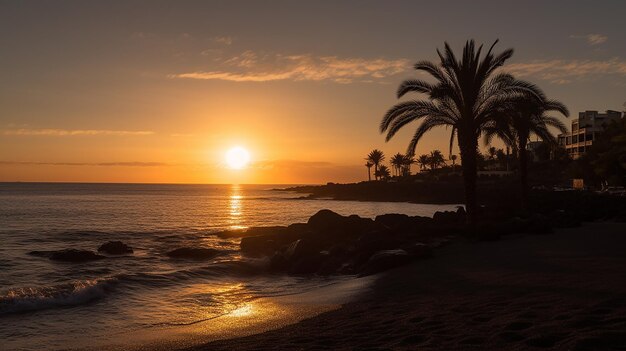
x=69 y=255
x=193 y=253
x=115 y=248
x=384 y=260
x=325 y=220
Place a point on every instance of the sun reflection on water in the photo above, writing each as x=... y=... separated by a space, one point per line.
x=236 y=208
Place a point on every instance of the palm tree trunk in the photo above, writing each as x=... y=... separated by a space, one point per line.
x=523 y=174
x=369 y=174
x=468 y=150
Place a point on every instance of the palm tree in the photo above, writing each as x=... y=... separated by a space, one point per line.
x=383 y=172
x=466 y=95
x=407 y=161
x=436 y=159
x=453 y=159
x=524 y=116
x=376 y=157
x=397 y=161
x=369 y=165
x=424 y=161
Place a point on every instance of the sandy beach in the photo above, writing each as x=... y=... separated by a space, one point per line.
x=564 y=291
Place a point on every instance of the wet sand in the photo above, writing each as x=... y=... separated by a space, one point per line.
x=564 y=291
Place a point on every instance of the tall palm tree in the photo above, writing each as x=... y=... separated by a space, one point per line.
x=397 y=161
x=369 y=165
x=376 y=157
x=466 y=95
x=524 y=116
x=424 y=161
x=453 y=159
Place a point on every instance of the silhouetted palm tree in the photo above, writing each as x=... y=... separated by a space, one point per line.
x=524 y=116
x=383 y=172
x=436 y=159
x=397 y=161
x=466 y=96
x=423 y=161
x=369 y=165
x=453 y=159
x=407 y=161
x=376 y=157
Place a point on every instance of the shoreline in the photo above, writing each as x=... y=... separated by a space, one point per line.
x=549 y=291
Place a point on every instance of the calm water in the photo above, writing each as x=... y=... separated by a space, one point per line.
x=46 y=304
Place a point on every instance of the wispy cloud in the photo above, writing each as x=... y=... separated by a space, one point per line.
x=72 y=132
x=592 y=39
x=250 y=66
x=119 y=164
x=224 y=40
x=565 y=71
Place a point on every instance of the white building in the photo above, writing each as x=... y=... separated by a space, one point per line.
x=585 y=130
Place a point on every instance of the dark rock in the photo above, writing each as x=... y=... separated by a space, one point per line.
x=193 y=253
x=325 y=220
x=69 y=255
x=252 y=231
x=449 y=217
x=115 y=248
x=384 y=260
x=419 y=251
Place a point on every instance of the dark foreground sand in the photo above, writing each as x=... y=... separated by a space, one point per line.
x=565 y=291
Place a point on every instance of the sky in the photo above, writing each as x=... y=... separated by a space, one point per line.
x=159 y=91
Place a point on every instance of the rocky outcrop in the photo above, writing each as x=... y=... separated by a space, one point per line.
x=69 y=255
x=115 y=248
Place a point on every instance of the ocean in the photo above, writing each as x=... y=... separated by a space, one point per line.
x=54 y=305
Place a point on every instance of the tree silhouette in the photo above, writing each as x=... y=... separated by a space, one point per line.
x=453 y=159
x=423 y=161
x=466 y=95
x=383 y=172
x=376 y=157
x=397 y=161
x=369 y=165
x=492 y=153
x=524 y=116
x=407 y=161
x=436 y=159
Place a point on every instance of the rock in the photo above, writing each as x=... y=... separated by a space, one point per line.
x=115 y=248
x=252 y=231
x=325 y=220
x=193 y=253
x=419 y=251
x=302 y=256
x=449 y=217
x=69 y=255
x=384 y=260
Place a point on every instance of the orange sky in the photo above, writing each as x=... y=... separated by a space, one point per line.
x=156 y=92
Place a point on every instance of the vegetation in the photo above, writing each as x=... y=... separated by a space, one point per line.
x=468 y=96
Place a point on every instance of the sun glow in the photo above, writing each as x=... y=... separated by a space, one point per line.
x=237 y=158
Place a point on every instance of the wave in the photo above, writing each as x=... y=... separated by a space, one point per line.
x=30 y=299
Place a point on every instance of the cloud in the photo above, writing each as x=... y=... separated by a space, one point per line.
x=250 y=66
x=592 y=39
x=222 y=40
x=122 y=164
x=72 y=132
x=565 y=71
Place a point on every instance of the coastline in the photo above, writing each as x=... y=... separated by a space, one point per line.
x=555 y=291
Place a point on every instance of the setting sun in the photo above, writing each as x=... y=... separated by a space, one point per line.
x=237 y=158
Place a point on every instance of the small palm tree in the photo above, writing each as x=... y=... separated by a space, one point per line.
x=524 y=116
x=407 y=161
x=467 y=95
x=436 y=159
x=397 y=161
x=383 y=172
x=424 y=161
x=453 y=159
x=376 y=157
x=369 y=165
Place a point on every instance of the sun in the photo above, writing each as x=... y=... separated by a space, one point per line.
x=237 y=158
